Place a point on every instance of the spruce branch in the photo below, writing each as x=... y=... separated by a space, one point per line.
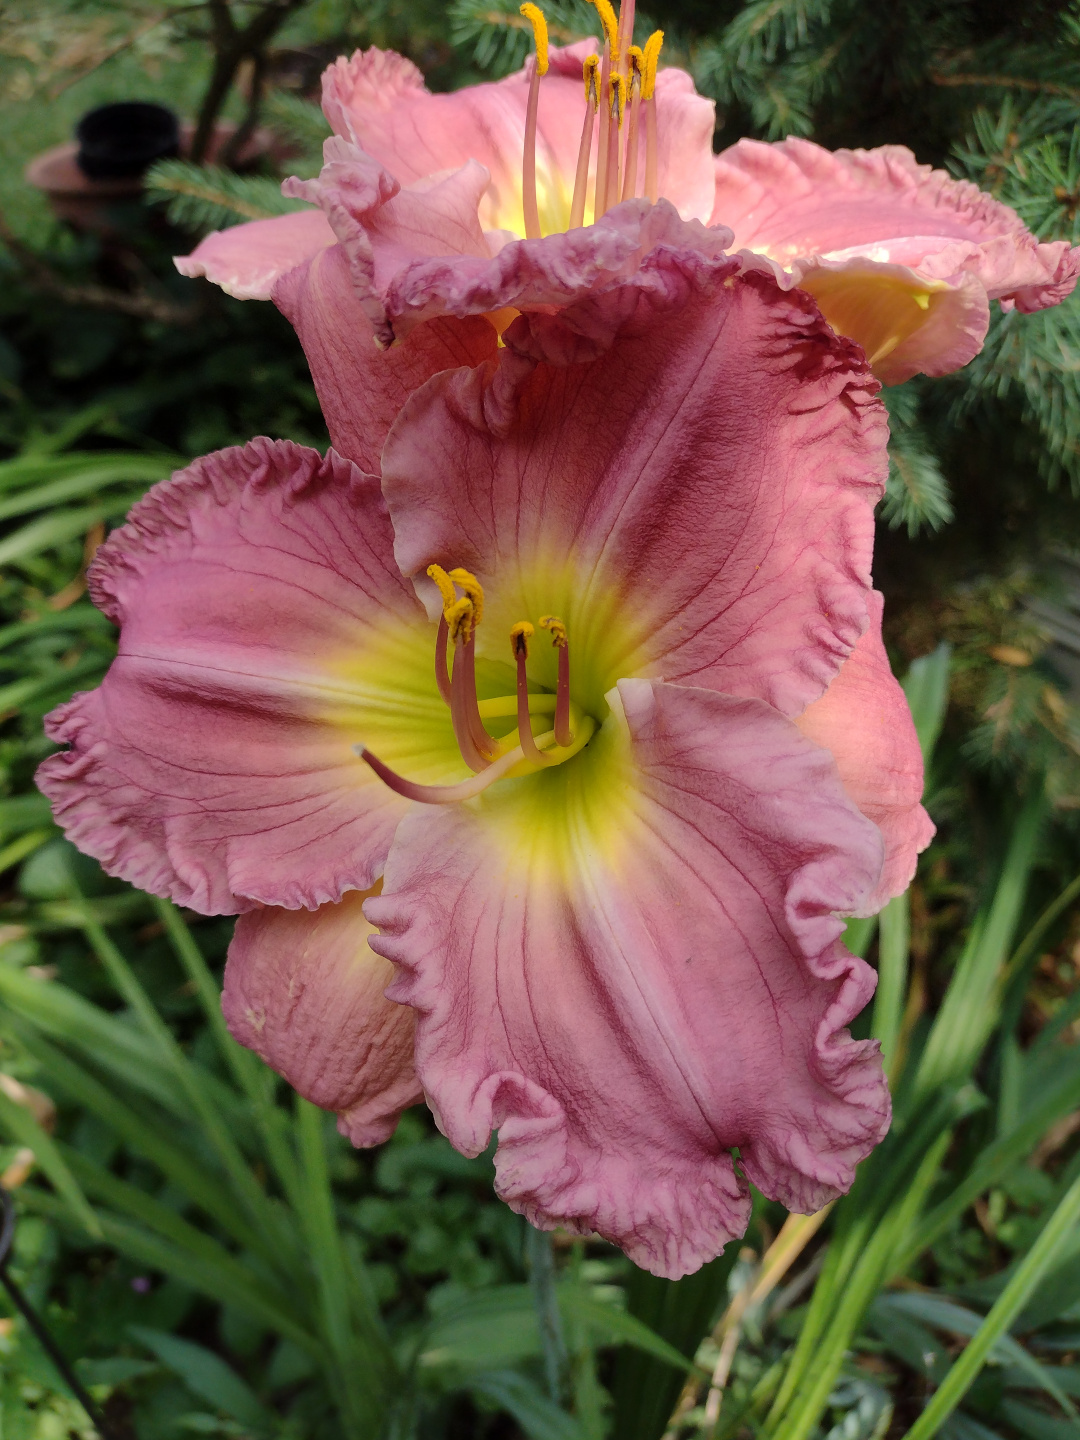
x=209 y=197
x=916 y=492
x=1007 y=82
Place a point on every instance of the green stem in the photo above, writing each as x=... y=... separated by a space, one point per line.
x=894 y=934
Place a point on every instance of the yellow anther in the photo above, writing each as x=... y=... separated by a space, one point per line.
x=557 y=628
x=445 y=585
x=460 y=618
x=473 y=589
x=535 y=17
x=591 y=71
x=650 y=58
x=636 y=60
x=520 y=635
x=610 y=24
x=617 y=88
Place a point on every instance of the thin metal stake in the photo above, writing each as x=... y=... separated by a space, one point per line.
x=37 y=1325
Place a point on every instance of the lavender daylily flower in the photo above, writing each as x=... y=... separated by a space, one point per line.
x=612 y=867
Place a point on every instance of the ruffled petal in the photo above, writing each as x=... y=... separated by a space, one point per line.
x=864 y=720
x=552 y=272
x=246 y=260
x=305 y=992
x=696 y=504
x=907 y=324
x=362 y=387
x=638 y=969
x=795 y=200
x=377 y=100
x=264 y=630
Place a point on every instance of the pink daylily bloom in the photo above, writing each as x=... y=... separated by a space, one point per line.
x=425 y=193
x=902 y=258
x=613 y=865
x=429 y=197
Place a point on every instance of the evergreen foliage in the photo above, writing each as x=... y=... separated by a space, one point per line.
x=199 y=198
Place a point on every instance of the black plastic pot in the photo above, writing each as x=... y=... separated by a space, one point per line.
x=121 y=141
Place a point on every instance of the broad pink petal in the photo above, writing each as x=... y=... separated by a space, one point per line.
x=650 y=979
x=696 y=504
x=305 y=992
x=246 y=260
x=378 y=101
x=264 y=630
x=864 y=720
x=794 y=201
x=362 y=387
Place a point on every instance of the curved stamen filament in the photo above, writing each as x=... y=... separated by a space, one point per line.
x=442 y=676
x=630 y=169
x=519 y=640
x=476 y=745
x=563 y=733
x=591 y=73
x=618 y=106
x=535 y=17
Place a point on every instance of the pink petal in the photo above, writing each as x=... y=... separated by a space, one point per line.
x=707 y=485
x=864 y=720
x=627 y=988
x=246 y=260
x=794 y=201
x=361 y=387
x=259 y=605
x=553 y=271
x=305 y=992
x=378 y=101
x=874 y=305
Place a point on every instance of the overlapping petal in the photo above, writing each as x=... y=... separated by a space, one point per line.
x=863 y=719
x=695 y=504
x=813 y=210
x=260 y=609
x=628 y=986
x=305 y=992
x=361 y=387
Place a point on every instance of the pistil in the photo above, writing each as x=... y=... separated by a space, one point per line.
x=441 y=794
x=535 y=17
x=610 y=52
